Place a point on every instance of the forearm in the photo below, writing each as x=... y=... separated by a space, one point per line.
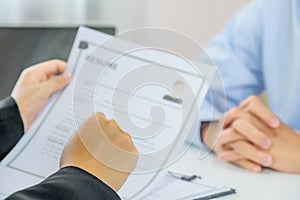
x=11 y=126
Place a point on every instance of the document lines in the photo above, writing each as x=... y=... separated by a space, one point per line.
x=37 y=155
x=180 y=186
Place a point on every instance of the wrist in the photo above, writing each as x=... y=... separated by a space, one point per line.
x=209 y=133
x=203 y=130
x=110 y=177
x=21 y=112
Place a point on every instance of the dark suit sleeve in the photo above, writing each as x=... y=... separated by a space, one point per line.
x=11 y=126
x=68 y=183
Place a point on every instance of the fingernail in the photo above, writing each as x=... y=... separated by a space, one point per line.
x=267 y=160
x=274 y=122
x=266 y=143
x=255 y=168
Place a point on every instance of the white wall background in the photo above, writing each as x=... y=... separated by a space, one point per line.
x=199 y=19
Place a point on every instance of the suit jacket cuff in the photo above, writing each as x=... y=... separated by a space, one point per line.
x=11 y=126
x=68 y=183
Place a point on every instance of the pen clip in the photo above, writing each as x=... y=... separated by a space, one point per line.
x=183 y=176
x=172 y=99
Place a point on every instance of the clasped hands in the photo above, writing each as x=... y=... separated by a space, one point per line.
x=253 y=137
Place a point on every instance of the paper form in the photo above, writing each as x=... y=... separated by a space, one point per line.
x=37 y=155
x=176 y=189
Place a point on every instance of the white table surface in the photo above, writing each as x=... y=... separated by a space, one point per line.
x=269 y=185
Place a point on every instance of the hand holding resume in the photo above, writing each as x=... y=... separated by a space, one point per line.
x=153 y=95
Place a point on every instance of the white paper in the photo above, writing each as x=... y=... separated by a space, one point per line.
x=173 y=188
x=37 y=155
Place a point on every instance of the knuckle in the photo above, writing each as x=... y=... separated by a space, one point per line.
x=238 y=123
x=127 y=137
x=231 y=132
x=111 y=122
x=259 y=136
x=251 y=106
x=129 y=142
x=126 y=142
x=134 y=150
x=226 y=132
x=99 y=116
x=252 y=98
x=91 y=118
x=234 y=111
x=239 y=145
x=27 y=71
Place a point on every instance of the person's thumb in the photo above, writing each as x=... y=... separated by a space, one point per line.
x=56 y=83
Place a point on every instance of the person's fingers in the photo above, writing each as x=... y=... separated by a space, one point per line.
x=229 y=135
x=52 y=67
x=56 y=83
x=102 y=123
x=123 y=140
x=114 y=130
x=252 y=133
x=119 y=138
x=232 y=115
x=229 y=156
x=108 y=128
x=252 y=153
x=100 y=116
x=241 y=113
x=113 y=125
x=43 y=71
x=248 y=165
x=255 y=106
x=240 y=160
x=118 y=132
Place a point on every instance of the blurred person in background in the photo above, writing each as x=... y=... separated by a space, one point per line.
x=258 y=51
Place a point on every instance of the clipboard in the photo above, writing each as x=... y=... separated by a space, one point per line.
x=182 y=186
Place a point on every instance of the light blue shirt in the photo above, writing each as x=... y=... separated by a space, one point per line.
x=259 y=50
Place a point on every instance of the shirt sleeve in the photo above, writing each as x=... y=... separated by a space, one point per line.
x=68 y=183
x=237 y=54
x=11 y=126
